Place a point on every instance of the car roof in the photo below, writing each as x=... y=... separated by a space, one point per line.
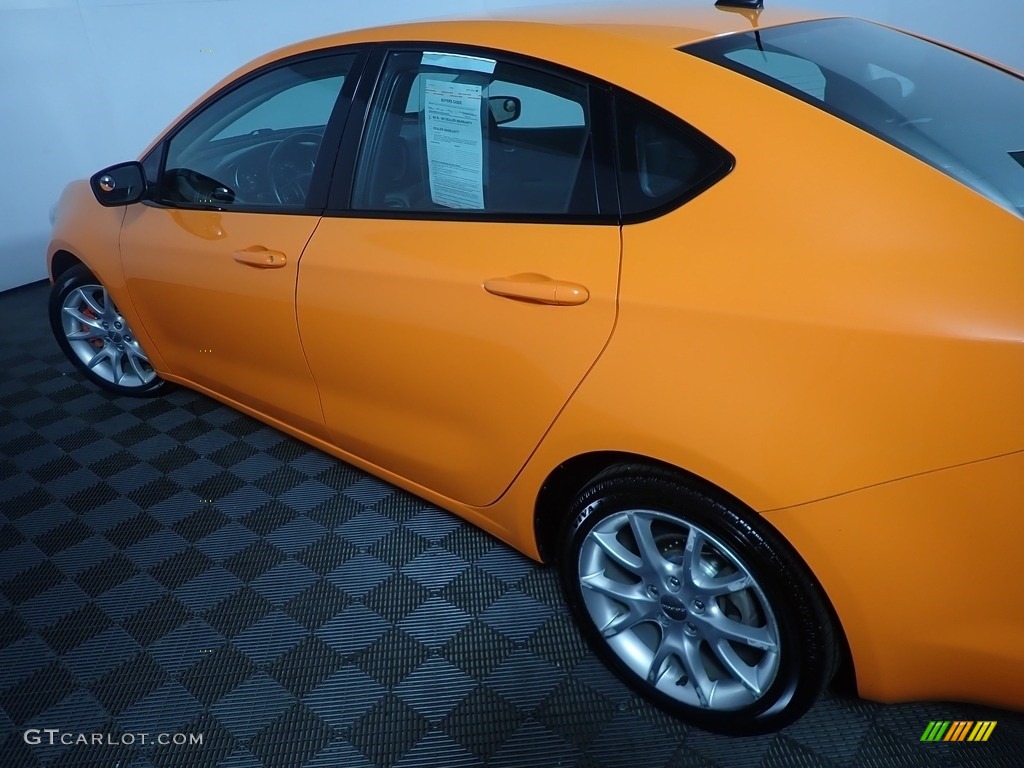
x=607 y=40
x=662 y=25
x=672 y=24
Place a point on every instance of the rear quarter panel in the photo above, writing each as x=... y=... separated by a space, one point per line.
x=831 y=315
x=924 y=573
x=834 y=334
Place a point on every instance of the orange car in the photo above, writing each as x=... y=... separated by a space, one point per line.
x=720 y=310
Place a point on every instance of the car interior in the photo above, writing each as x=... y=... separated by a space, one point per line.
x=530 y=164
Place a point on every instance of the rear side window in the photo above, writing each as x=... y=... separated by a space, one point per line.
x=662 y=162
x=466 y=136
x=960 y=115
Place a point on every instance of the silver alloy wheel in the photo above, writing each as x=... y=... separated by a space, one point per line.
x=100 y=337
x=680 y=609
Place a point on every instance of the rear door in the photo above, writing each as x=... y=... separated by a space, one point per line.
x=462 y=288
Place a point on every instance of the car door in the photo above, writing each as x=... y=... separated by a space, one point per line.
x=211 y=259
x=465 y=283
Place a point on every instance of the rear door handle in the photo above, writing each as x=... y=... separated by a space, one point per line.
x=258 y=256
x=538 y=288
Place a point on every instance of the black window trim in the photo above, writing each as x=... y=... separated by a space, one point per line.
x=319 y=188
x=728 y=160
x=599 y=97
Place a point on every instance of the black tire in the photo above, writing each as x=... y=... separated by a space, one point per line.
x=660 y=621
x=79 y=306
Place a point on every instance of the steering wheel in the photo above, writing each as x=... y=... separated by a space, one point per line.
x=290 y=167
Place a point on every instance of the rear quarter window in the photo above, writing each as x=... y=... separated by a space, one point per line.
x=662 y=162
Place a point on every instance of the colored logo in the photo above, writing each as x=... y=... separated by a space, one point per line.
x=958 y=730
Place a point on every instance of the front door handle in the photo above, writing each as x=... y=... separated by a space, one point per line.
x=538 y=288
x=258 y=256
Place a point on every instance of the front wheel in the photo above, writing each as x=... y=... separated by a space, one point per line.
x=699 y=606
x=97 y=339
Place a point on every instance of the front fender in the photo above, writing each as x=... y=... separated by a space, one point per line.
x=90 y=233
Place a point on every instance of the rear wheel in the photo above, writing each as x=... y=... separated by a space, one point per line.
x=97 y=339
x=698 y=605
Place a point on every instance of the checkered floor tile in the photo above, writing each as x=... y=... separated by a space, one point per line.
x=181 y=585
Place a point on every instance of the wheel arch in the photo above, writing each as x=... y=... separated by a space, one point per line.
x=566 y=481
x=61 y=262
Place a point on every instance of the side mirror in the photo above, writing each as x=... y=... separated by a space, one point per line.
x=121 y=184
x=505 y=109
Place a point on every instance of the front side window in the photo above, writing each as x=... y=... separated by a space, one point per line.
x=959 y=115
x=256 y=146
x=456 y=134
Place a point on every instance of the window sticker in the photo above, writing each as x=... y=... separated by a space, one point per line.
x=453 y=123
x=458 y=61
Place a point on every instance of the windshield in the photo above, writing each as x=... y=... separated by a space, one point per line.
x=956 y=113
